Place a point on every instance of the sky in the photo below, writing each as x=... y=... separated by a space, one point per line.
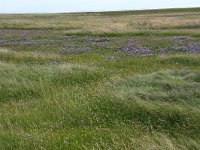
x=51 y=6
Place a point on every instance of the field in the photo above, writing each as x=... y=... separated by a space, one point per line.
x=110 y=80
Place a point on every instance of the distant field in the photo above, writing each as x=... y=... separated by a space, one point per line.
x=110 y=80
x=179 y=20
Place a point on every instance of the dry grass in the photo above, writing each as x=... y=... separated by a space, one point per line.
x=102 y=23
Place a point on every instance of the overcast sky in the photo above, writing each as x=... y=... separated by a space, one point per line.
x=31 y=6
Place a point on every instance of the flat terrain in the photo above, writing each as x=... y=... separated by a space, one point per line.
x=111 y=80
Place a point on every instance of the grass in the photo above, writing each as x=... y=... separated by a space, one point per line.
x=59 y=89
x=126 y=21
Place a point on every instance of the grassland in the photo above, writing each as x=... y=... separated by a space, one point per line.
x=111 y=80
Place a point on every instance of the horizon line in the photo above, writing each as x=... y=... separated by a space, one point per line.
x=99 y=11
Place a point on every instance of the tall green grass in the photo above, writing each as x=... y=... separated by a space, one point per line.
x=70 y=106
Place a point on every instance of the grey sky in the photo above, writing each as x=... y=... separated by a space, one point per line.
x=29 y=6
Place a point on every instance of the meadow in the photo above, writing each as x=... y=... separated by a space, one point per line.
x=105 y=80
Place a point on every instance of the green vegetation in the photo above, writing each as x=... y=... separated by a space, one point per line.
x=86 y=81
